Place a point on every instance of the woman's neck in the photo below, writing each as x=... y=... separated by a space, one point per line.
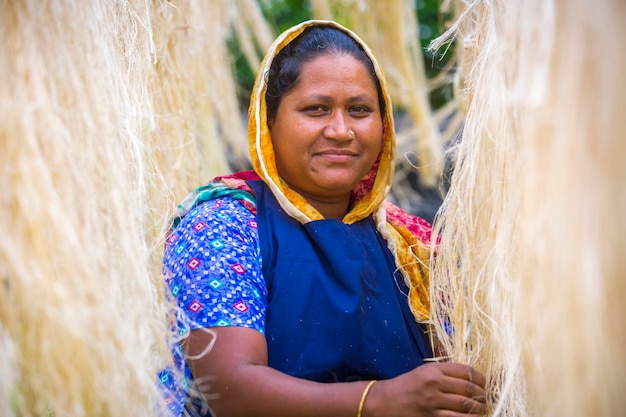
x=330 y=208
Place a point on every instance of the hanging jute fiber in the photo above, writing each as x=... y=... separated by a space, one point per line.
x=528 y=278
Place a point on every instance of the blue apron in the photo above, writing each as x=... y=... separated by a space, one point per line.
x=337 y=309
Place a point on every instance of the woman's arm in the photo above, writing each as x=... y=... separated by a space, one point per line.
x=241 y=384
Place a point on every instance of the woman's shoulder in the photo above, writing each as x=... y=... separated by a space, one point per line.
x=221 y=210
x=221 y=216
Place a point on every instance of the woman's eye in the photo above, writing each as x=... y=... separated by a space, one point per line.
x=359 y=110
x=315 y=109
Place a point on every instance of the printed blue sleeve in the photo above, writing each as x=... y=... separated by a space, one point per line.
x=212 y=265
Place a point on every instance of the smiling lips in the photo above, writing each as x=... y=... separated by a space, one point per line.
x=337 y=155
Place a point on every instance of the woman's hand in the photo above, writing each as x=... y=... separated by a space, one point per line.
x=434 y=389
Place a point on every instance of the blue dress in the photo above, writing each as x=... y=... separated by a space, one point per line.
x=336 y=308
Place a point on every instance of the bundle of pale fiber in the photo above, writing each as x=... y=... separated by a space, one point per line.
x=83 y=327
x=529 y=273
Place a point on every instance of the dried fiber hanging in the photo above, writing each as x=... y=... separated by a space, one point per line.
x=529 y=273
x=82 y=317
x=573 y=207
x=472 y=281
x=254 y=33
x=198 y=129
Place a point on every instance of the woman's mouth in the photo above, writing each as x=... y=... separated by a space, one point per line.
x=337 y=155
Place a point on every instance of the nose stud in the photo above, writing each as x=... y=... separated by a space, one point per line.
x=352 y=134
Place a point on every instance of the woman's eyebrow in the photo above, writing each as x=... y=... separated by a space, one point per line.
x=330 y=97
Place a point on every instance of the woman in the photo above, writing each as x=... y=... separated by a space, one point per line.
x=294 y=278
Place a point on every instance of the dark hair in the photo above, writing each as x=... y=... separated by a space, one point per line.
x=313 y=42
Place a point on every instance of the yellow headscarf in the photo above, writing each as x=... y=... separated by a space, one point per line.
x=398 y=228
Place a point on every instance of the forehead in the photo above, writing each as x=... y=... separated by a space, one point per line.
x=333 y=71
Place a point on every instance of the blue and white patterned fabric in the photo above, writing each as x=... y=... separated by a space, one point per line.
x=212 y=266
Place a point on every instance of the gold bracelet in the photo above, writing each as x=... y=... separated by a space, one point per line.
x=365 y=391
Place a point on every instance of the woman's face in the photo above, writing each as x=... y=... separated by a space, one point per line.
x=328 y=130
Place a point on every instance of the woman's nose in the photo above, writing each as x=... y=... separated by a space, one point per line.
x=338 y=127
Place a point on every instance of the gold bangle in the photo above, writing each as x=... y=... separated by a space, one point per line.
x=363 y=396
